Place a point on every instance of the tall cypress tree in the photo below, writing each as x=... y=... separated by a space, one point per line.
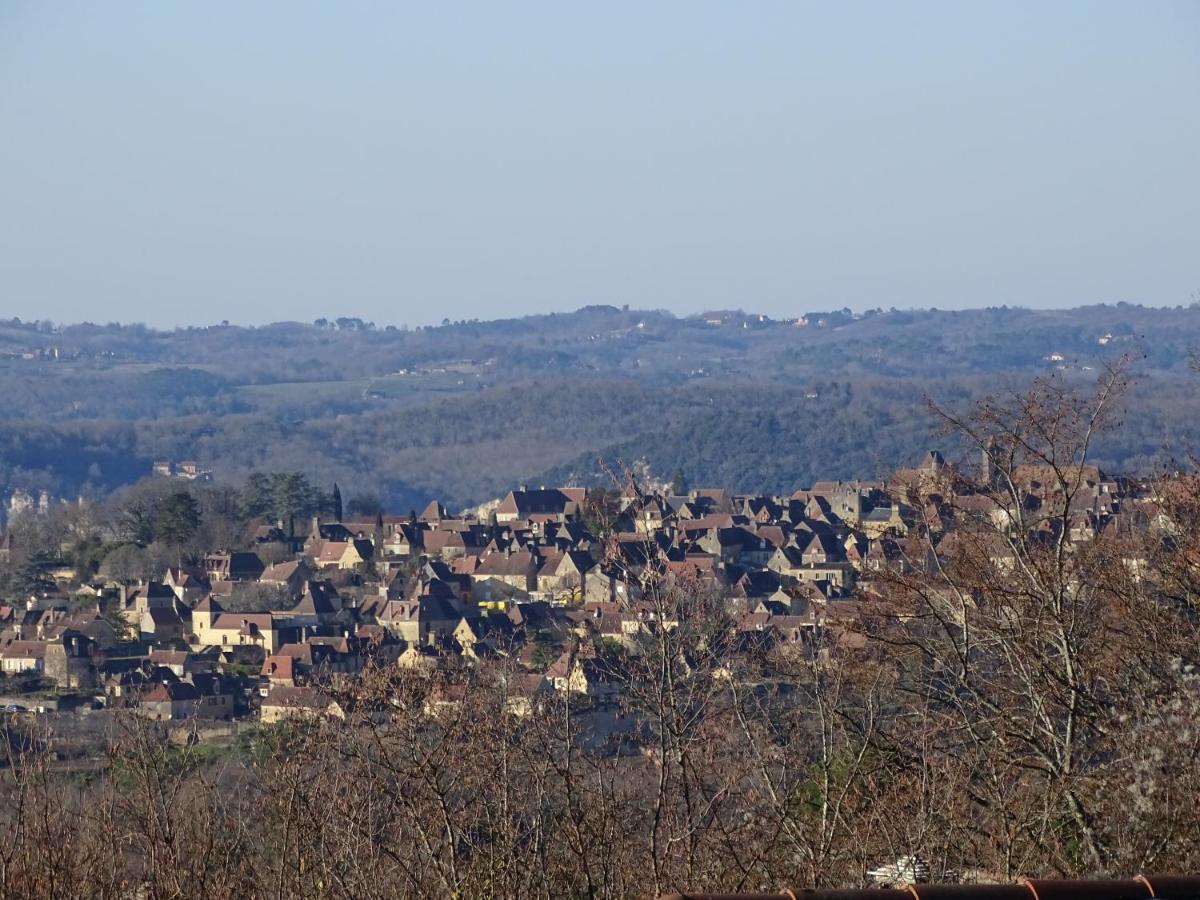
x=679 y=485
x=337 y=503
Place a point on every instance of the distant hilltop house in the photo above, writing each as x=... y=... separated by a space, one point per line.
x=188 y=470
x=31 y=353
x=23 y=501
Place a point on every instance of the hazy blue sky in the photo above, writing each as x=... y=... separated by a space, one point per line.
x=255 y=161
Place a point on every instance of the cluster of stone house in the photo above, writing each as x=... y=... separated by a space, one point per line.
x=540 y=580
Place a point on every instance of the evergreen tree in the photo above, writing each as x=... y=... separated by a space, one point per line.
x=679 y=485
x=378 y=536
x=177 y=520
x=27 y=578
x=292 y=496
x=257 y=500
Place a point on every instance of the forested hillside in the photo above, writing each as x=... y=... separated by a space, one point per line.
x=466 y=410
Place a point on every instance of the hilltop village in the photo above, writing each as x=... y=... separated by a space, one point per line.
x=549 y=581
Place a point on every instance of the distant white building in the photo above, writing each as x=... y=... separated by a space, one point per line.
x=19 y=502
x=905 y=870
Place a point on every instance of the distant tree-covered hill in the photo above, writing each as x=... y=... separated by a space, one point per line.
x=466 y=410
